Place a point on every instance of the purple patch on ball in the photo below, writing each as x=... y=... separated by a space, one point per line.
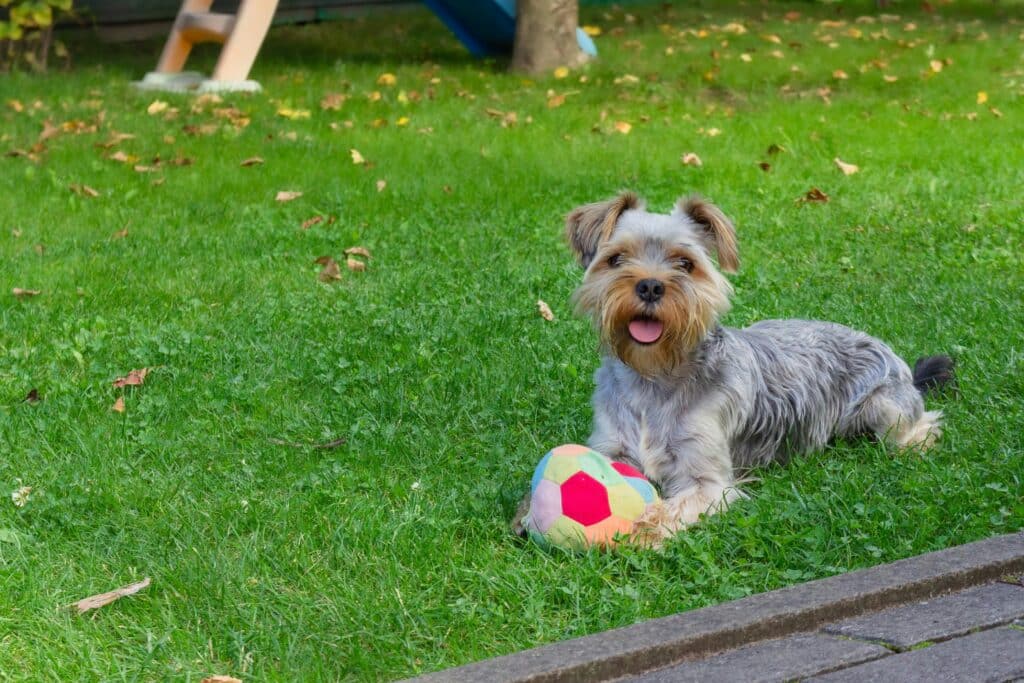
x=545 y=505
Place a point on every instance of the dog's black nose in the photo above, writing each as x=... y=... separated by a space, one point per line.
x=650 y=290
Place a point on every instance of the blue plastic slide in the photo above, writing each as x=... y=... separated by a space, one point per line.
x=488 y=27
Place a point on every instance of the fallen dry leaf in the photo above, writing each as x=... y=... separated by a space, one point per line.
x=545 y=310
x=83 y=190
x=556 y=101
x=103 y=599
x=386 y=79
x=118 y=406
x=310 y=222
x=764 y=166
x=561 y=72
x=252 y=161
x=381 y=184
x=936 y=65
x=357 y=158
x=120 y=156
x=774 y=149
x=120 y=234
x=355 y=265
x=332 y=101
x=115 y=139
x=982 y=97
x=593 y=31
x=287 y=195
x=358 y=251
x=32 y=396
x=839 y=75
x=220 y=678
x=293 y=114
x=623 y=127
x=156 y=107
x=847 y=169
x=133 y=379
x=25 y=293
x=814 y=195
x=49 y=131
x=330 y=271
x=691 y=159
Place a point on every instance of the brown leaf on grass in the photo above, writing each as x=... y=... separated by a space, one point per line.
x=332 y=101
x=114 y=139
x=847 y=169
x=142 y=168
x=133 y=379
x=357 y=158
x=355 y=265
x=33 y=396
x=25 y=293
x=120 y=234
x=330 y=271
x=156 y=107
x=545 y=310
x=381 y=184
x=103 y=599
x=814 y=195
x=358 y=251
x=120 y=156
x=774 y=149
x=556 y=101
x=118 y=406
x=310 y=222
x=201 y=129
x=623 y=127
x=252 y=161
x=287 y=195
x=764 y=166
x=83 y=190
x=221 y=678
x=691 y=159
x=49 y=131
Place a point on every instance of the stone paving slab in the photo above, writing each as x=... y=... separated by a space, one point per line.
x=688 y=636
x=773 y=660
x=938 y=619
x=995 y=655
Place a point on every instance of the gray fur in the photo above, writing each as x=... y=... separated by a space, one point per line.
x=740 y=397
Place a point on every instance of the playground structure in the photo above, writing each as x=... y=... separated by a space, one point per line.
x=485 y=27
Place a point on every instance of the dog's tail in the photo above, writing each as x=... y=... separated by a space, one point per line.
x=933 y=372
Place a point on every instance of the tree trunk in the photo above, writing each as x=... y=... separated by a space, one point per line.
x=546 y=36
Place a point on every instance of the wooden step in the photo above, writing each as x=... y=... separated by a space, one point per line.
x=205 y=27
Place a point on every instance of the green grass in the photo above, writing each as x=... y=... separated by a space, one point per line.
x=389 y=555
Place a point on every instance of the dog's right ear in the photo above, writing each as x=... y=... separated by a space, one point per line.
x=587 y=226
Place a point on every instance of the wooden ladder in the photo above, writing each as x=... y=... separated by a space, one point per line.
x=241 y=33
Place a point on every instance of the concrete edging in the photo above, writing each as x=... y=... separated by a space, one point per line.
x=689 y=635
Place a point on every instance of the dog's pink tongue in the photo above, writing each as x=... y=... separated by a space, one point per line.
x=645 y=331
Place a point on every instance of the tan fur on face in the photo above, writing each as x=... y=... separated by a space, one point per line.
x=587 y=226
x=688 y=310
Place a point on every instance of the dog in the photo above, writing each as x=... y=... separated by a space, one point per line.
x=692 y=403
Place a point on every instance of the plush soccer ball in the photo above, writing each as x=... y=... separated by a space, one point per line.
x=579 y=498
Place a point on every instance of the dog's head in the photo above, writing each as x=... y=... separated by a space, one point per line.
x=650 y=285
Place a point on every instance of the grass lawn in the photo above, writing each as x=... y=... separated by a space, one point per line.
x=389 y=555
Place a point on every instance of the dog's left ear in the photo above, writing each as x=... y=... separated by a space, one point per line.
x=717 y=231
x=588 y=226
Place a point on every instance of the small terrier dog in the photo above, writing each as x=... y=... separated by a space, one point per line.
x=690 y=402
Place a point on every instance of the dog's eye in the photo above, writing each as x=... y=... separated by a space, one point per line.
x=615 y=260
x=684 y=264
